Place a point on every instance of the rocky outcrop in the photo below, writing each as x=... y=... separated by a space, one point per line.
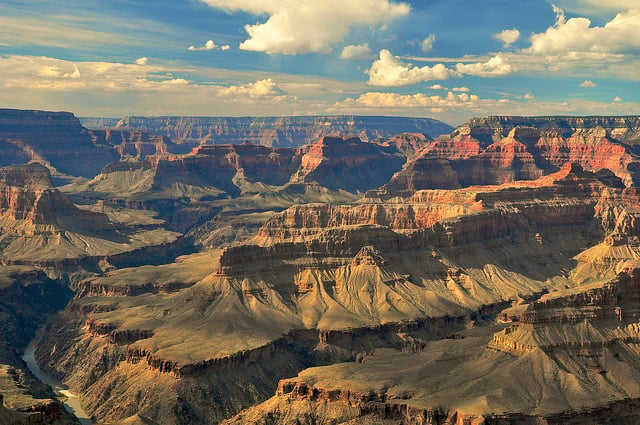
x=26 y=194
x=48 y=413
x=54 y=138
x=493 y=128
x=279 y=131
x=95 y=287
x=497 y=150
x=554 y=322
x=134 y=143
x=297 y=402
x=40 y=226
x=31 y=176
x=419 y=174
x=348 y=164
x=409 y=144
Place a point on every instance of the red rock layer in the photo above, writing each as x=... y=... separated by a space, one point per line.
x=348 y=164
x=496 y=150
x=134 y=143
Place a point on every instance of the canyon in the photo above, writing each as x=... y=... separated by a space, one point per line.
x=322 y=269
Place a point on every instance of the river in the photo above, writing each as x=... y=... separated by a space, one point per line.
x=71 y=401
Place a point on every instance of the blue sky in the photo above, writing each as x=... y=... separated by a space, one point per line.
x=448 y=59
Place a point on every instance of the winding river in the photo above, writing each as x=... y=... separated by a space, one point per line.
x=71 y=401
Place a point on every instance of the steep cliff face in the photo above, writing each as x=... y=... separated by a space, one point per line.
x=134 y=143
x=497 y=150
x=57 y=138
x=570 y=189
x=348 y=164
x=493 y=128
x=27 y=198
x=409 y=144
x=279 y=131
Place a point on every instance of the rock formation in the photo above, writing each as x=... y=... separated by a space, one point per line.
x=572 y=358
x=348 y=164
x=54 y=138
x=41 y=226
x=135 y=143
x=496 y=150
x=320 y=284
x=278 y=131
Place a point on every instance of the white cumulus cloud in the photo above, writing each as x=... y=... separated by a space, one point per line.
x=427 y=43
x=588 y=84
x=497 y=66
x=225 y=47
x=142 y=61
x=209 y=45
x=389 y=71
x=260 y=89
x=419 y=100
x=620 y=35
x=308 y=26
x=508 y=37
x=357 y=51
x=460 y=89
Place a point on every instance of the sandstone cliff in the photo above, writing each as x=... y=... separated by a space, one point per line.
x=280 y=131
x=496 y=150
x=348 y=164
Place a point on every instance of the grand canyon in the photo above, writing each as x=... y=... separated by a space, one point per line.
x=335 y=212
x=482 y=274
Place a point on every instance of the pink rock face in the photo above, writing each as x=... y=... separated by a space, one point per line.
x=217 y=165
x=134 y=143
x=348 y=164
x=497 y=150
x=408 y=143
